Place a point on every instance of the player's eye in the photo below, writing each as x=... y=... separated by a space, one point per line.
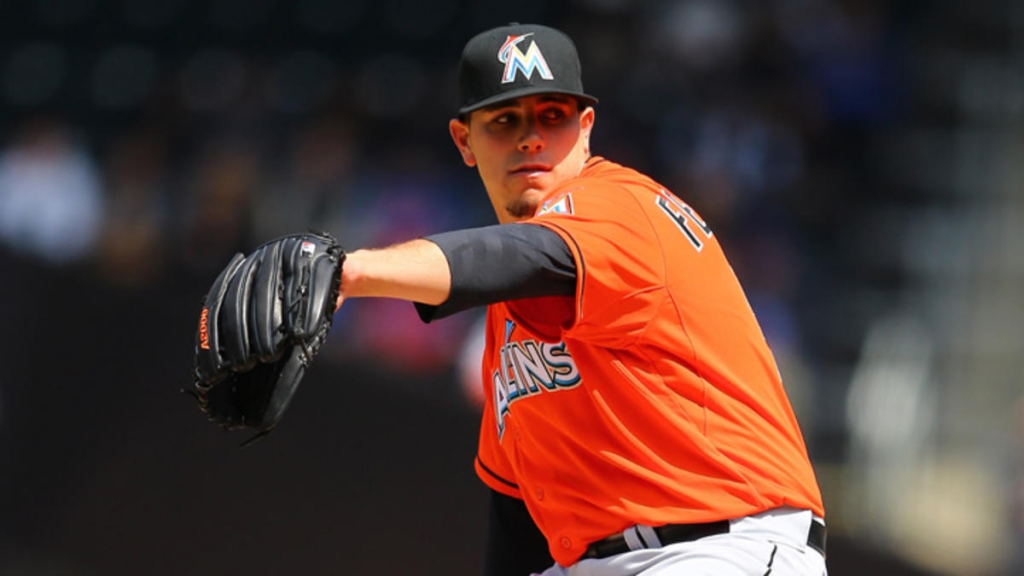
x=504 y=119
x=553 y=115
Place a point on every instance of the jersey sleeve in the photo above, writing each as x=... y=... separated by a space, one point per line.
x=620 y=268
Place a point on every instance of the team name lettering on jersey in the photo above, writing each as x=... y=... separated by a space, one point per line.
x=514 y=59
x=528 y=368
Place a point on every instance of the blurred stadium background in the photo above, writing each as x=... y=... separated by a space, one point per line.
x=862 y=161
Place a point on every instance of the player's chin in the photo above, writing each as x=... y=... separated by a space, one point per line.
x=525 y=205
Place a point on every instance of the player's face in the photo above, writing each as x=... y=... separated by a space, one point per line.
x=524 y=148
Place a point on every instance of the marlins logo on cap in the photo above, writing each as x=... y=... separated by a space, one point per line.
x=507 y=62
x=515 y=60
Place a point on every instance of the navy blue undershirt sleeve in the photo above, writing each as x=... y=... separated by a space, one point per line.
x=499 y=263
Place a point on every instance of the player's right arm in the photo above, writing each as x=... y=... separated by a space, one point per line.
x=417 y=271
x=454 y=271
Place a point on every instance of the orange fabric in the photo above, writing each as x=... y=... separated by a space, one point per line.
x=651 y=397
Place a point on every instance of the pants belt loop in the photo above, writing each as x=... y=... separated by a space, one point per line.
x=632 y=538
x=648 y=535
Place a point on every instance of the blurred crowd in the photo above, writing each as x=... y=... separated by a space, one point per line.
x=142 y=143
x=148 y=139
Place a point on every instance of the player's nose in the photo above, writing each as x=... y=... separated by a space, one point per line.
x=531 y=140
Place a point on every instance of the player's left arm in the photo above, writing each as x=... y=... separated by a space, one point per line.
x=454 y=271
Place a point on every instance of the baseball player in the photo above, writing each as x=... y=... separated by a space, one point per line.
x=635 y=420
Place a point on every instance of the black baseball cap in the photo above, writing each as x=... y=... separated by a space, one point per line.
x=518 y=60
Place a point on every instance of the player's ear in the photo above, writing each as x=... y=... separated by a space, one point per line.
x=460 y=135
x=586 y=125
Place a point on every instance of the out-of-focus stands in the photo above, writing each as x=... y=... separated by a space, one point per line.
x=855 y=159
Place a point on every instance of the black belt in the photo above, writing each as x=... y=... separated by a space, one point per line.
x=675 y=533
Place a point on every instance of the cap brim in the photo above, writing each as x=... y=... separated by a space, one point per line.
x=527 y=91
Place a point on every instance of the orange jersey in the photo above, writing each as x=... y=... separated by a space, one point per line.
x=651 y=396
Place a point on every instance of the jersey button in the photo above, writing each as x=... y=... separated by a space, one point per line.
x=539 y=493
x=516 y=435
x=566 y=543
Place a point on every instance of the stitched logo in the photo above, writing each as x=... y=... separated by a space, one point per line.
x=561 y=206
x=528 y=368
x=204 y=331
x=516 y=61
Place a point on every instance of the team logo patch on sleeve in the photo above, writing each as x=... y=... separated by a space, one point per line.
x=561 y=206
